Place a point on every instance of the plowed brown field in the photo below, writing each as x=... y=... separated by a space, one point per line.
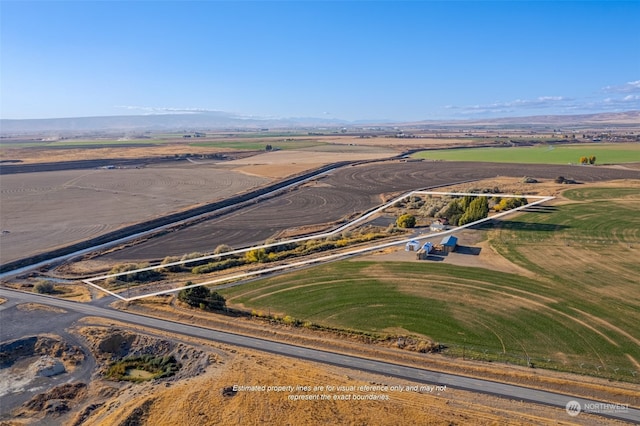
x=341 y=194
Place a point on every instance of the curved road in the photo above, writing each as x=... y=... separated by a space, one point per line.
x=399 y=371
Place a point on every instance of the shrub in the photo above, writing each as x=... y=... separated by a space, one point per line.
x=217 y=266
x=406 y=221
x=222 y=248
x=44 y=287
x=159 y=367
x=141 y=276
x=255 y=256
x=173 y=268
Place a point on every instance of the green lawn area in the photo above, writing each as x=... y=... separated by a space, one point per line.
x=545 y=154
x=579 y=312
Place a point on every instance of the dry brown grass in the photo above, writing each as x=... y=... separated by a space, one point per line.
x=29 y=307
x=200 y=400
x=78 y=292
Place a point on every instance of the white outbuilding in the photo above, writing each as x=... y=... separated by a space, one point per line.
x=412 y=245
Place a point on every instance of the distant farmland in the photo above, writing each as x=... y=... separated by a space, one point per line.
x=547 y=154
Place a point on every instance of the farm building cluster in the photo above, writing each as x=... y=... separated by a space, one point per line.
x=446 y=246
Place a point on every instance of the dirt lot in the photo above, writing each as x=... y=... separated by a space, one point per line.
x=337 y=196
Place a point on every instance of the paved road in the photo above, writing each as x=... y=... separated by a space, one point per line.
x=379 y=367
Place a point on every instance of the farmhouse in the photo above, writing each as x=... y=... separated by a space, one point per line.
x=449 y=243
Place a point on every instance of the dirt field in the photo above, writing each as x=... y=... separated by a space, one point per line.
x=42 y=211
x=279 y=164
x=343 y=193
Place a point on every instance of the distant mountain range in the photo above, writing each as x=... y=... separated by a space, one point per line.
x=223 y=120
x=156 y=122
x=600 y=119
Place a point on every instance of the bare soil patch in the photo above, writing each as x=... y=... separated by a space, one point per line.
x=109 y=344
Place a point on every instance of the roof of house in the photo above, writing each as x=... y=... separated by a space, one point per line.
x=449 y=240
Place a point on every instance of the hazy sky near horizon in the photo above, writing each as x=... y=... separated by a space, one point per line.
x=352 y=60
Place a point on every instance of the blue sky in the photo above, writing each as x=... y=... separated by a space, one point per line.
x=350 y=60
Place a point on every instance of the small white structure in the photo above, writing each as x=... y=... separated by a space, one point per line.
x=412 y=245
x=437 y=227
x=427 y=247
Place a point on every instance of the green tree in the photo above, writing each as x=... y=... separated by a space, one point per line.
x=406 y=221
x=454 y=212
x=215 y=301
x=592 y=159
x=201 y=297
x=193 y=296
x=478 y=209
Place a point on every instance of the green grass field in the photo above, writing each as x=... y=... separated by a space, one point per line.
x=580 y=311
x=548 y=154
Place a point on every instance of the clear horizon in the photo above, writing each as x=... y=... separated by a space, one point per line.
x=342 y=60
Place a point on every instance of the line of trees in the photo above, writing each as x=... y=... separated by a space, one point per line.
x=510 y=203
x=466 y=210
x=476 y=210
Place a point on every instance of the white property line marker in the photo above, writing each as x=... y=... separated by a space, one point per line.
x=540 y=200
